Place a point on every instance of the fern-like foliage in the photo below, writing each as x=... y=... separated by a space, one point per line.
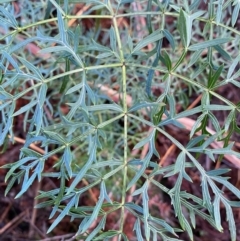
x=89 y=94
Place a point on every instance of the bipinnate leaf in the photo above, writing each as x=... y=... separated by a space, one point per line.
x=62 y=214
x=120 y=78
x=96 y=210
x=84 y=169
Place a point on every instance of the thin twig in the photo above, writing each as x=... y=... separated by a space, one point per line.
x=34 y=212
x=5 y=212
x=33 y=226
x=13 y=222
x=80 y=12
x=59 y=237
x=195 y=102
x=170 y=150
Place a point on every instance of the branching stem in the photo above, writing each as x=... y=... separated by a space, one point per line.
x=124 y=90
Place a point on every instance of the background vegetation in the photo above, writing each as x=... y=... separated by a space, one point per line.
x=127 y=112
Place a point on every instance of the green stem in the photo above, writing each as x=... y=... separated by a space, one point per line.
x=187 y=80
x=110 y=17
x=125 y=110
x=65 y=74
x=89 y=16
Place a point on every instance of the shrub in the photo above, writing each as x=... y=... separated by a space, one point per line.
x=100 y=85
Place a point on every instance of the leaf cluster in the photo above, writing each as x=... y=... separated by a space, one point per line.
x=91 y=133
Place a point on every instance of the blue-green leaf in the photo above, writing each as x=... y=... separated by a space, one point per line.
x=25 y=108
x=63 y=213
x=100 y=226
x=170 y=38
x=209 y=43
x=235 y=14
x=113 y=41
x=217 y=216
x=183 y=28
x=137 y=228
x=155 y=36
